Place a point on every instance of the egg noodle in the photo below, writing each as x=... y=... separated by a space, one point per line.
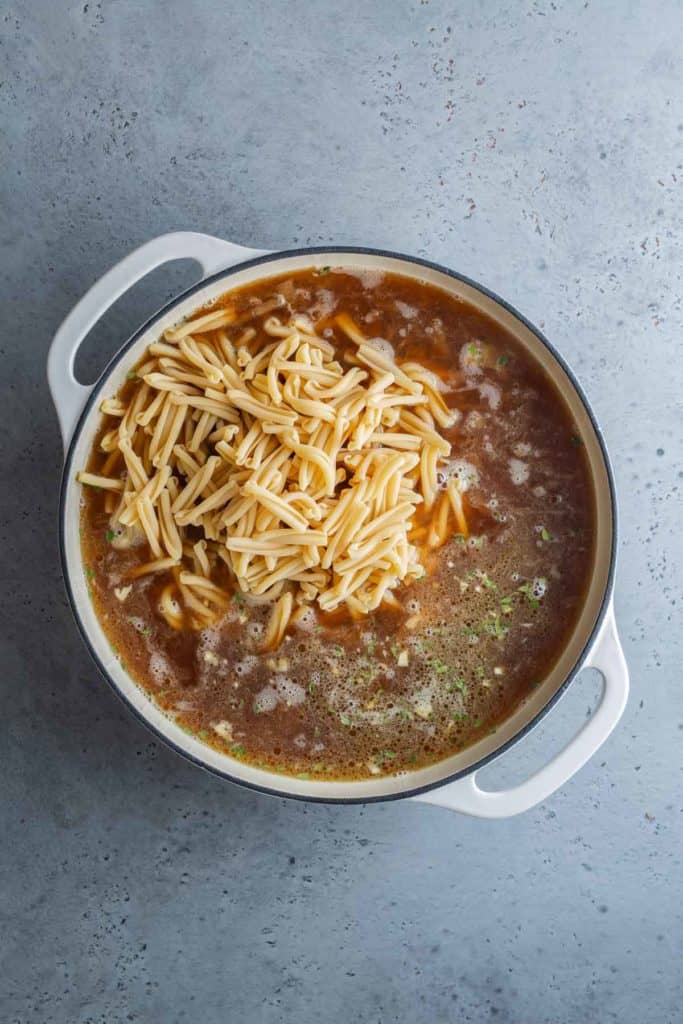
x=262 y=450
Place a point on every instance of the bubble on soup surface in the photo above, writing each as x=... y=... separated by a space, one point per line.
x=247 y=665
x=159 y=668
x=474 y=420
x=255 y=630
x=368 y=278
x=289 y=691
x=209 y=637
x=126 y=537
x=407 y=312
x=519 y=471
x=491 y=393
x=266 y=700
x=462 y=471
x=325 y=304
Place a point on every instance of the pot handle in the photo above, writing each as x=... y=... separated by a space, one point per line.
x=465 y=795
x=211 y=253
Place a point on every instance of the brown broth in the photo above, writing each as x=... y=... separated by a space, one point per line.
x=479 y=632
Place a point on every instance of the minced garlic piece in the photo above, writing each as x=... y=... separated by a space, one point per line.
x=224 y=729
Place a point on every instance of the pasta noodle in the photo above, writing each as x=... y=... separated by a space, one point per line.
x=301 y=472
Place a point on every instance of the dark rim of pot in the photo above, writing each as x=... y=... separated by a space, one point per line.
x=264 y=261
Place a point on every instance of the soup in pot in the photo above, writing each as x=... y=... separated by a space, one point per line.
x=338 y=524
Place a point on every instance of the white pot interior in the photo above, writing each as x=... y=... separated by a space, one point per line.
x=385 y=786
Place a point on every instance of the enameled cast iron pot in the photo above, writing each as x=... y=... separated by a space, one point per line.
x=452 y=782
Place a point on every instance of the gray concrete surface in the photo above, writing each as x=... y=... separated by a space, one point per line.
x=537 y=147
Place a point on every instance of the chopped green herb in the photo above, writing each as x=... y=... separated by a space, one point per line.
x=395 y=650
x=458 y=716
x=239 y=749
x=303 y=776
x=337 y=651
x=470 y=631
x=438 y=666
x=371 y=645
x=238 y=598
x=312 y=687
x=477 y=722
x=385 y=755
x=459 y=684
x=369 y=670
x=545 y=535
x=407 y=715
x=503 y=360
x=473 y=350
x=421 y=646
x=576 y=441
x=411 y=759
x=487 y=581
x=89 y=572
x=479 y=672
x=203 y=734
x=506 y=604
x=459 y=538
x=528 y=590
x=496 y=627
x=321 y=271
x=110 y=535
x=345 y=720
x=131 y=375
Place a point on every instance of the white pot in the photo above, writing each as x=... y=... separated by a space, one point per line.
x=452 y=782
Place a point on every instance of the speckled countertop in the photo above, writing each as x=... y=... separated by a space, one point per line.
x=535 y=146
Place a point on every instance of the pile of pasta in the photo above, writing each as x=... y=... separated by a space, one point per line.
x=260 y=449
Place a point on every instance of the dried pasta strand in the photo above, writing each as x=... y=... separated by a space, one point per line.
x=104 y=482
x=278 y=621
